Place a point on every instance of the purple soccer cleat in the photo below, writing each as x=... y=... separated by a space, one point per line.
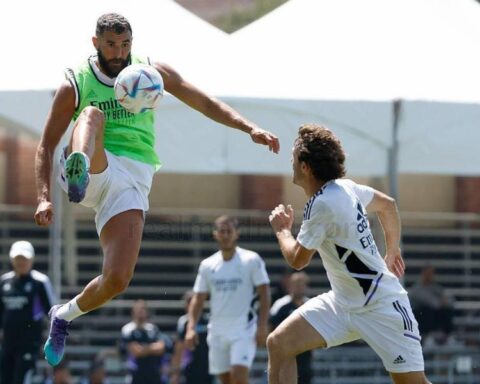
x=55 y=345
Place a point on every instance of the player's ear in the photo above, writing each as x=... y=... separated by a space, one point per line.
x=305 y=168
x=95 y=42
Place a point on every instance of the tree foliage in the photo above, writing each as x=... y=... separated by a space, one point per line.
x=239 y=17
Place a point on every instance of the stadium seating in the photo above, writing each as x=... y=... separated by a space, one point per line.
x=174 y=244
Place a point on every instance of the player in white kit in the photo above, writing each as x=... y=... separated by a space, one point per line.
x=367 y=300
x=232 y=277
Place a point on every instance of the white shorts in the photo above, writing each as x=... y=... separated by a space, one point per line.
x=234 y=348
x=389 y=328
x=125 y=184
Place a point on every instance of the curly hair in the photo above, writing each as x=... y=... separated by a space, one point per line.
x=322 y=151
x=112 y=22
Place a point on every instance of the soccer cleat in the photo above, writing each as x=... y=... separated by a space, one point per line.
x=76 y=172
x=55 y=345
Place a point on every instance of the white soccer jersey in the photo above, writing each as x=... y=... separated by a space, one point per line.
x=335 y=223
x=231 y=285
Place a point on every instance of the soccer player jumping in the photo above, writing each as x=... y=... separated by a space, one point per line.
x=109 y=162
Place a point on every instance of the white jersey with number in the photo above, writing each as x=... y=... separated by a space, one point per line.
x=232 y=288
x=335 y=224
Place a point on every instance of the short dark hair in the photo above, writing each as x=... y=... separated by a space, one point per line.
x=112 y=22
x=225 y=219
x=322 y=151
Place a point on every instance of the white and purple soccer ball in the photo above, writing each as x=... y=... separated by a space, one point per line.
x=139 y=88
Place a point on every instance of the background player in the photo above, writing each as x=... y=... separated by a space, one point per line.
x=145 y=347
x=282 y=308
x=26 y=296
x=192 y=365
x=230 y=277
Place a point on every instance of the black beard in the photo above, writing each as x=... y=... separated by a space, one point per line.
x=105 y=66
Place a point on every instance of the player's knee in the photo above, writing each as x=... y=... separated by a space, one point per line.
x=94 y=117
x=116 y=283
x=93 y=113
x=274 y=343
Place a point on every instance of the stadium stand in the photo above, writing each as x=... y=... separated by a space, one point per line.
x=176 y=241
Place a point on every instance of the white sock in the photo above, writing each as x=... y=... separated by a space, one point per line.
x=87 y=160
x=69 y=311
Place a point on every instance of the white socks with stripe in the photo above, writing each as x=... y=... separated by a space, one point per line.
x=69 y=311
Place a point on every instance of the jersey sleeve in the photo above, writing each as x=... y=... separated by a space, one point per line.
x=125 y=339
x=363 y=192
x=157 y=334
x=316 y=225
x=169 y=344
x=201 y=281
x=259 y=271
x=182 y=327
x=275 y=314
x=70 y=76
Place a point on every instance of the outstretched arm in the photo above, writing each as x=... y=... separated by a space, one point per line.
x=57 y=123
x=386 y=209
x=213 y=108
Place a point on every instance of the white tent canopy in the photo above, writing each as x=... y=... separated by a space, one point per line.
x=350 y=53
x=339 y=62
x=46 y=36
x=363 y=50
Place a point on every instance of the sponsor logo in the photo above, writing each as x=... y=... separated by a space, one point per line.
x=399 y=360
x=227 y=284
x=91 y=94
x=15 y=302
x=113 y=110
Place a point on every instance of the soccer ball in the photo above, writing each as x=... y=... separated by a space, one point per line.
x=138 y=88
